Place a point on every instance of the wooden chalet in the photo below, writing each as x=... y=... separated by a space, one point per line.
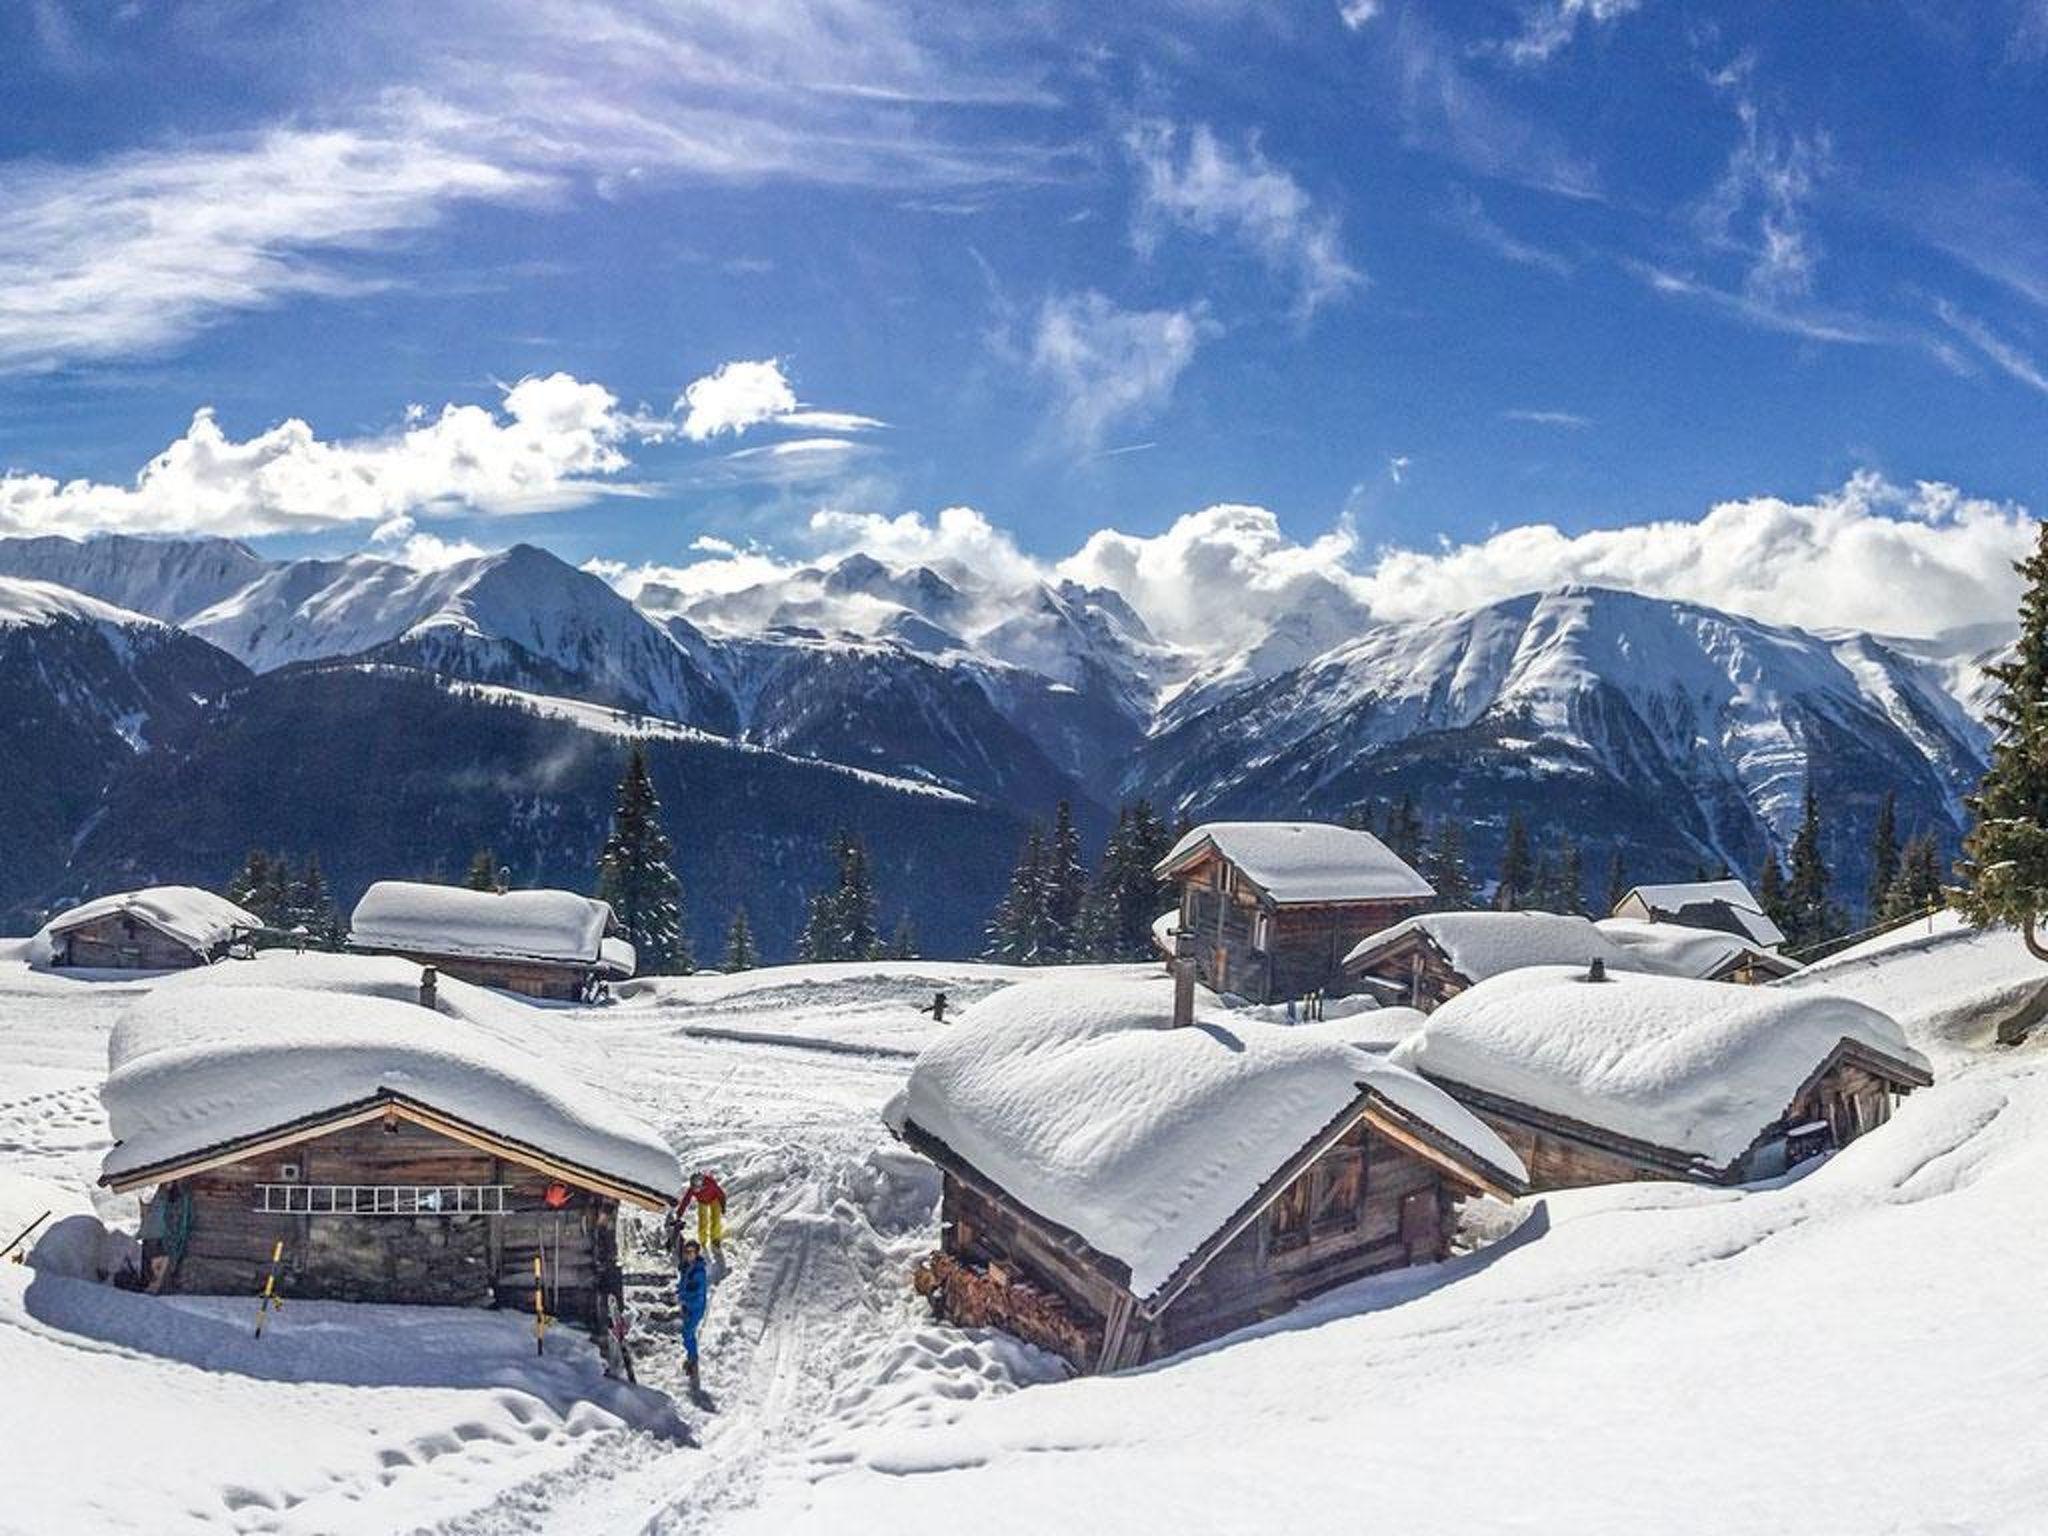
x=399 y=1155
x=1274 y=906
x=163 y=928
x=547 y=944
x=1118 y=1188
x=1703 y=954
x=1631 y=1076
x=1728 y=906
x=1426 y=960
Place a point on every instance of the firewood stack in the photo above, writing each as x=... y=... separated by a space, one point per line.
x=992 y=1296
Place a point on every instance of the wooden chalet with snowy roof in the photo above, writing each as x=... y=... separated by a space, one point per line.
x=1129 y=1172
x=1424 y=961
x=1725 y=905
x=163 y=928
x=398 y=1154
x=1274 y=906
x=1606 y=1078
x=547 y=944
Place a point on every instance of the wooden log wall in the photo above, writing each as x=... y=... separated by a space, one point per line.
x=442 y=1260
x=123 y=943
x=1305 y=945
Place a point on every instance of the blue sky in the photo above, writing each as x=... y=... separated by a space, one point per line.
x=1420 y=274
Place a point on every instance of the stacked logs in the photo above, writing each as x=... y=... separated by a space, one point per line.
x=994 y=1296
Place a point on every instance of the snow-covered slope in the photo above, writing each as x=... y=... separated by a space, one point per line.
x=168 y=579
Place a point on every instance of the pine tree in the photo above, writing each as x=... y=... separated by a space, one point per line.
x=1444 y=867
x=1917 y=886
x=2005 y=856
x=1815 y=919
x=1770 y=893
x=1126 y=897
x=1517 y=868
x=740 y=951
x=635 y=878
x=1018 y=932
x=311 y=907
x=1884 y=854
x=1617 y=880
x=484 y=874
x=841 y=923
x=1571 y=881
x=1066 y=887
x=247 y=889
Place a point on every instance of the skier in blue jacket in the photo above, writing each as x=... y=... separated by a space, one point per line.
x=693 y=1290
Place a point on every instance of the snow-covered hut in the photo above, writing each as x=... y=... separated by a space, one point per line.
x=549 y=944
x=1424 y=961
x=163 y=928
x=401 y=1154
x=1727 y=905
x=1701 y=954
x=1659 y=1077
x=1273 y=906
x=1119 y=1186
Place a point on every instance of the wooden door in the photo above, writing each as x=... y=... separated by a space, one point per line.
x=1422 y=1227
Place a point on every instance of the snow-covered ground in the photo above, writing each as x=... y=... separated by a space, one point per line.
x=1856 y=1350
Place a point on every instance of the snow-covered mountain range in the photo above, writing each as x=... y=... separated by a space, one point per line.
x=1677 y=733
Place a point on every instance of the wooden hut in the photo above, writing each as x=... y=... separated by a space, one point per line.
x=1702 y=954
x=1274 y=906
x=398 y=1153
x=163 y=928
x=1424 y=961
x=1726 y=905
x=546 y=944
x=1631 y=1076
x=1119 y=1186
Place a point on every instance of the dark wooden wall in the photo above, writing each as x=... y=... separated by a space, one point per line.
x=468 y=1260
x=1419 y=969
x=123 y=943
x=1558 y=1160
x=1305 y=945
x=529 y=978
x=1254 y=1277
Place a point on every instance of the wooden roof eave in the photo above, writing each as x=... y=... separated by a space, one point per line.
x=377 y=1106
x=440 y=957
x=1679 y=1163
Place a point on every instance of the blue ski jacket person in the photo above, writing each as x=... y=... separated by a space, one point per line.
x=693 y=1290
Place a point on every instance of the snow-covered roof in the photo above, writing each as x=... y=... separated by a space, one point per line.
x=1076 y=1096
x=194 y=1066
x=1304 y=861
x=1483 y=944
x=1735 y=900
x=617 y=957
x=1696 y=1067
x=197 y=919
x=496 y=925
x=1676 y=949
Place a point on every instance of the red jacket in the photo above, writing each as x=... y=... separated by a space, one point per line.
x=706 y=1189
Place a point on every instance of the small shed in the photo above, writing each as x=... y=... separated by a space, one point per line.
x=163 y=928
x=545 y=944
x=400 y=1154
x=1117 y=1187
x=1701 y=954
x=1274 y=906
x=1424 y=961
x=1725 y=905
x=1659 y=1077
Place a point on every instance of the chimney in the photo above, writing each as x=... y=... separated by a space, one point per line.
x=1182 y=967
x=1597 y=971
x=429 y=988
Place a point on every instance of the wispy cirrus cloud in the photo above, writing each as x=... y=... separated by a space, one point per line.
x=1468 y=216
x=1535 y=418
x=1103 y=365
x=1192 y=180
x=2006 y=355
x=1549 y=26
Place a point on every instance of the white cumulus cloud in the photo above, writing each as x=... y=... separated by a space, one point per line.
x=738 y=395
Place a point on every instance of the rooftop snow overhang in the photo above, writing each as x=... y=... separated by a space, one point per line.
x=385 y=1102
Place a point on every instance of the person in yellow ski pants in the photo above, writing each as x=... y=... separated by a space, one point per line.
x=710 y=1198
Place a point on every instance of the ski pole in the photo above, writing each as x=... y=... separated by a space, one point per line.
x=23 y=1233
x=271 y=1300
x=540 y=1313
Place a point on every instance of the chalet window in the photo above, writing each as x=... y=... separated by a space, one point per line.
x=1262 y=932
x=1324 y=1202
x=1290 y=1217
